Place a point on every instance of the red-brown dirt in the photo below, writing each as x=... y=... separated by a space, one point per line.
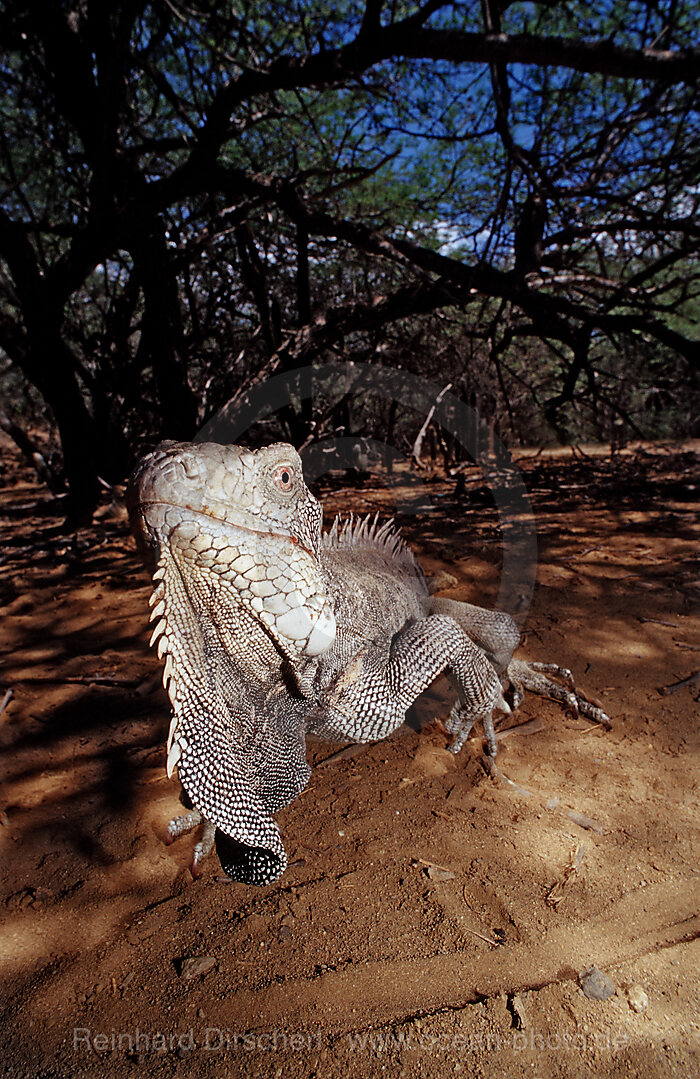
x=432 y=920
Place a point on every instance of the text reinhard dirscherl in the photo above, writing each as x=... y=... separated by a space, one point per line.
x=221 y=1040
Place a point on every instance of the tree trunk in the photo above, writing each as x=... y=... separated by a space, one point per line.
x=87 y=451
x=162 y=344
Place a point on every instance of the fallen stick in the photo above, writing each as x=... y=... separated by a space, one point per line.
x=665 y=691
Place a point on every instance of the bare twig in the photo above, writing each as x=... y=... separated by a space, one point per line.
x=418 y=444
x=665 y=691
x=556 y=893
x=433 y=865
x=493 y=943
x=585 y=822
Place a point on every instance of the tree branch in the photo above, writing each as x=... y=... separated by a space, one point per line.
x=410 y=38
x=593 y=57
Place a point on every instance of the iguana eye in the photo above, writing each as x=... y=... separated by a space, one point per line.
x=283 y=478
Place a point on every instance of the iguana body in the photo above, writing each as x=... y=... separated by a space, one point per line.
x=271 y=631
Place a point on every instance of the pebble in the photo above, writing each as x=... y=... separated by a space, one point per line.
x=637 y=998
x=585 y=822
x=196 y=966
x=519 y=1013
x=595 y=985
x=436 y=873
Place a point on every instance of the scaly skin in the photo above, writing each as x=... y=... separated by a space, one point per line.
x=270 y=631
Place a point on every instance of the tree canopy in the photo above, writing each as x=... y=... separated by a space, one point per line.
x=197 y=194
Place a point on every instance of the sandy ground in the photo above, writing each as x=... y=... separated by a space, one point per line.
x=433 y=920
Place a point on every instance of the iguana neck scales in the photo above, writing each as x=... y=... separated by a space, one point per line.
x=270 y=631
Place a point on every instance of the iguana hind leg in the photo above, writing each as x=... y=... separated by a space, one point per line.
x=188 y=822
x=495 y=632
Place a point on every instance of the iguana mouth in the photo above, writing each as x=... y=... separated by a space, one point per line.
x=230 y=524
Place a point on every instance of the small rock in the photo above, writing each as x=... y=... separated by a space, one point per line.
x=433 y=762
x=637 y=998
x=595 y=985
x=28 y=897
x=436 y=873
x=585 y=822
x=148 y=685
x=442 y=580
x=284 y=932
x=519 y=1013
x=195 y=966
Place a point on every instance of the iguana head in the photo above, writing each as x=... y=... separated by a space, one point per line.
x=248 y=517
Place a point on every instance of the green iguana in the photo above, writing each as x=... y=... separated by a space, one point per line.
x=272 y=630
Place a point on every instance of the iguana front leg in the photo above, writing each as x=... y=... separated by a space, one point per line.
x=369 y=698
